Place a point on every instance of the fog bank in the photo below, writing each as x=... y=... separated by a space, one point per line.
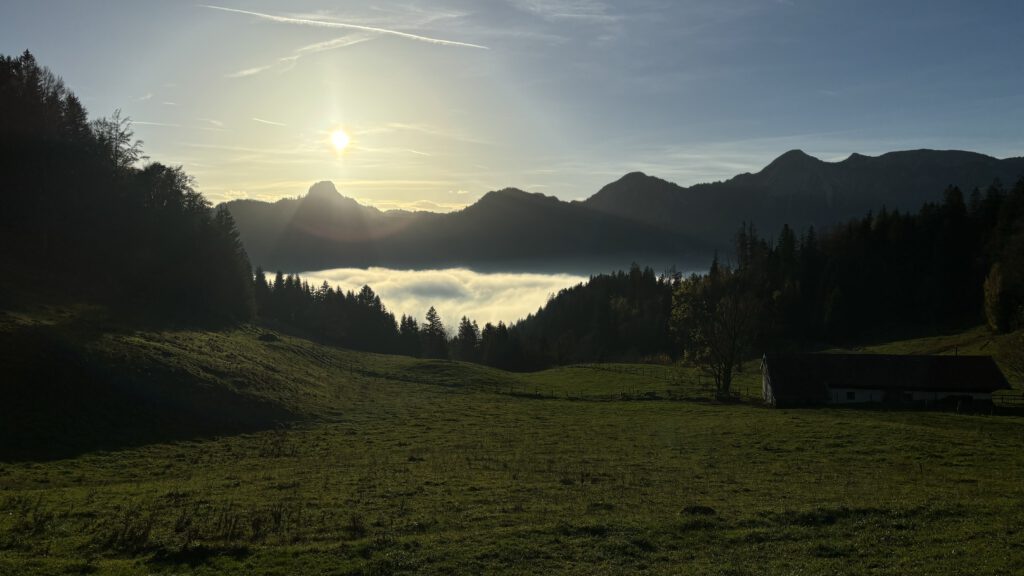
x=454 y=292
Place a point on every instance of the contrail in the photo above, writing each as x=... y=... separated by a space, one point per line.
x=271 y=122
x=327 y=24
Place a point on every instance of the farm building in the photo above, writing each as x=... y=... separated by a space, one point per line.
x=816 y=379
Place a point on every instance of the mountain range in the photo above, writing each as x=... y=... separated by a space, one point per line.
x=638 y=218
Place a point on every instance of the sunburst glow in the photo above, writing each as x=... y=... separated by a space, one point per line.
x=340 y=140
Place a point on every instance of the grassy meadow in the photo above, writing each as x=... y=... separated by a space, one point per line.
x=255 y=453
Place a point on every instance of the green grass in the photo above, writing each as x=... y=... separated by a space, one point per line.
x=1007 y=349
x=391 y=465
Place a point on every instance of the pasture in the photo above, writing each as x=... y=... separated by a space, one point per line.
x=389 y=465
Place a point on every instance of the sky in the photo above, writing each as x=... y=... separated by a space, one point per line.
x=443 y=101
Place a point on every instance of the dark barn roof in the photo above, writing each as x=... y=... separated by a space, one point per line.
x=808 y=376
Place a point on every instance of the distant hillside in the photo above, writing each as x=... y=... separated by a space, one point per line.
x=322 y=229
x=506 y=229
x=800 y=190
x=637 y=218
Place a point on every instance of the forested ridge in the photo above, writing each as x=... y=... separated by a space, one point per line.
x=87 y=216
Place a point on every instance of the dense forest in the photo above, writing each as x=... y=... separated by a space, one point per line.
x=953 y=264
x=82 y=218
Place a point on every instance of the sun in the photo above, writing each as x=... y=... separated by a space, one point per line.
x=340 y=140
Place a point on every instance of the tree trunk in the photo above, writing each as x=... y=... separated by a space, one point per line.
x=725 y=383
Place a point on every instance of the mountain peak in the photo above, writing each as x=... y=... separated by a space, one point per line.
x=794 y=157
x=633 y=181
x=514 y=194
x=324 y=195
x=323 y=190
x=635 y=176
x=793 y=167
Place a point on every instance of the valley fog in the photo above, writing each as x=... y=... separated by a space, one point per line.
x=454 y=292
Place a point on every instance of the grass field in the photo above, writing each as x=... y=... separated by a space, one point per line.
x=280 y=456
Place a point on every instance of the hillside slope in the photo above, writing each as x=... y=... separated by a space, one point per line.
x=390 y=465
x=506 y=229
x=75 y=381
x=73 y=384
x=801 y=190
x=1006 y=349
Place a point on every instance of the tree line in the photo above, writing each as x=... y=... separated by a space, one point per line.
x=619 y=316
x=85 y=213
x=953 y=264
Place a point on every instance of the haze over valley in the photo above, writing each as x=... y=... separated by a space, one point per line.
x=455 y=292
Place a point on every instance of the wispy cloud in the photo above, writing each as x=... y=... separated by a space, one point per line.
x=389 y=151
x=304 y=155
x=605 y=23
x=585 y=10
x=347 y=26
x=269 y=122
x=392 y=127
x=288 y=62
x=247 y=149
x=146 y=96
x=342 y=42
x=412 y=206
x=162 y=124
x=249 y=71
x=397 y=184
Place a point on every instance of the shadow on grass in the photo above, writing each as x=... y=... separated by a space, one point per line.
x=194 y=556
x=60 y=399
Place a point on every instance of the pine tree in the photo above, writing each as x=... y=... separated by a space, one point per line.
x=435 y=338
x=467 y=341
x=261 y=292
x=409 y=336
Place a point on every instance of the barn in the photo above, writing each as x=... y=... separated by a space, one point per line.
x=924 y=381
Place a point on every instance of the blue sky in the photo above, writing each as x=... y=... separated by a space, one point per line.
x=444 y=101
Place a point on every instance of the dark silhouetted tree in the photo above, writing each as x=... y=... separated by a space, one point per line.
x=434 y=336
x=717 y=320
x=409 y=336
x=467 y=342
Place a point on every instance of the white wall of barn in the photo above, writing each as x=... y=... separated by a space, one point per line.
x=935 y=396
x=858 y=396
x=766 y=387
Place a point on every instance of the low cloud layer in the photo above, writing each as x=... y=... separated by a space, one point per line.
x=455 y=292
